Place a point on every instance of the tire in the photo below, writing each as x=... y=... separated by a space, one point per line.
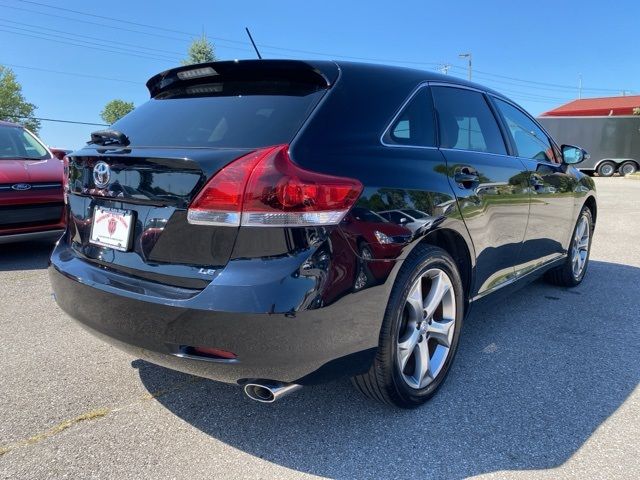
x=606 y=169
x=566 y=275
x=431 y=270
x=627 y=168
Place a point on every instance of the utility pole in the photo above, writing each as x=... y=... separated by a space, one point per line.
x=444 y=68
x=579 y=86
x=468 y=56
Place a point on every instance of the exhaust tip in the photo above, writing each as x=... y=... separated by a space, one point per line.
x=268 y=391
x=259 y=393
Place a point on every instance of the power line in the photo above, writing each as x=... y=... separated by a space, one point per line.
x=119 y=20
x=54 y=120
x=94 y=23
x=165 y=60
x=72 y=74
x=264 y=46
x=87 y=43
x=565 y=87
x=113 y=27
x=75 y=35
x=528 y=83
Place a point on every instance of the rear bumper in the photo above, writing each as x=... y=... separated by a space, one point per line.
x=305 y=344
x=24 y=237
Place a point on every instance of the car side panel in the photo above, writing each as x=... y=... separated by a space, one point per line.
x=552 y=218
x=495 y=211
x=343 y=137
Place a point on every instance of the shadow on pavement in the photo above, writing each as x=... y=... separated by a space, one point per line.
x=535 y=376
x=32 y=255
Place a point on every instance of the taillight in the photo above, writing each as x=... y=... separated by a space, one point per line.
x=220 y=201
x=265 y=188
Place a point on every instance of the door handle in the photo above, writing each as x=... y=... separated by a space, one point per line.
x=466 y=177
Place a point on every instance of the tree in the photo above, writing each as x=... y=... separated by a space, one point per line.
x=13 y=106
x=115 y=110
x=200 y=51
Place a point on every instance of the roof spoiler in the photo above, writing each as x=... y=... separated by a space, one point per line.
x=322 y=74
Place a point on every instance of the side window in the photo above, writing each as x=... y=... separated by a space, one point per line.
x=415 y=124
x=466 y=121
x=529 y=139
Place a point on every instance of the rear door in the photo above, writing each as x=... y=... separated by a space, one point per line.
x=551 y=218
x=491 y=186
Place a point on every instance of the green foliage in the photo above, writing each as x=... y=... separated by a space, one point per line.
x=13 y=106
x=200 y=51
x=115 y=110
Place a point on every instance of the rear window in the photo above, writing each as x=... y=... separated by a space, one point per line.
x=236 y=114
x=18 y=143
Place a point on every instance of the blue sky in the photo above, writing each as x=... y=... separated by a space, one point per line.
x=542 y=47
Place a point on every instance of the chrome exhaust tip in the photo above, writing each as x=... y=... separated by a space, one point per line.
x=269 y=392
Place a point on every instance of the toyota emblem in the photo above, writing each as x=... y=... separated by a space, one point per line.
x=101 y=174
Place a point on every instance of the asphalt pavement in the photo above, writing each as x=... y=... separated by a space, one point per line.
x=545 y=385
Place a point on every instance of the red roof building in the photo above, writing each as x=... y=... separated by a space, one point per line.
x=596 y=107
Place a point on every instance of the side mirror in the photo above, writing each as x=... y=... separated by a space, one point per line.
x=403 y=220
x=572 y=155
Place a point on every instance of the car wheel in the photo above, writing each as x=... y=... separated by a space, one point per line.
x=627 y=168
x=420 y=331
x=572 y=271
x=606 y=169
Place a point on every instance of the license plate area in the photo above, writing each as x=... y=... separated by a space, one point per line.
x=111 y=227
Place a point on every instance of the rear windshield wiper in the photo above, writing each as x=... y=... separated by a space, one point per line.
x=109 y=137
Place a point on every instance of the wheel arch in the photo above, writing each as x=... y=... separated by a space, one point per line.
x=592 y=205
x=455 y=245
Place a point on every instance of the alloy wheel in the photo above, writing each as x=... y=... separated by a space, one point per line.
x=580 y=250
x=427 y=327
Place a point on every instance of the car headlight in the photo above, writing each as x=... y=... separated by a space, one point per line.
x=382 y=238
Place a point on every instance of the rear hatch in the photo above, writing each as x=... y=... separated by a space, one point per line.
x=128 y=199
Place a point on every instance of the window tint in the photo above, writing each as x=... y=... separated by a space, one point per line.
x=234 y=114
x=466 y=122
x=18 y=143
x=415 y=124
x=529 y=139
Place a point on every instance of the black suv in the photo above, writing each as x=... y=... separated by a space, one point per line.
x=213 y=229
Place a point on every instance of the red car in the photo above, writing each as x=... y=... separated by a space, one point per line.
x=31 y=190
x=374 y=238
